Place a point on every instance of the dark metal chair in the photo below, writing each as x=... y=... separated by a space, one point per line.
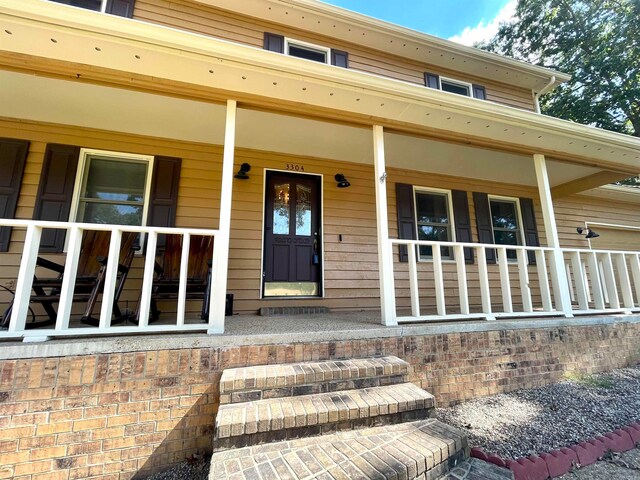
x=92 y=266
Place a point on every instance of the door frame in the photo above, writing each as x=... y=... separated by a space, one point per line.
x=262 y=236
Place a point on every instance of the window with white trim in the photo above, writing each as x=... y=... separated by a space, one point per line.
x=121 y=8
x=506 y=222
x=112 y=188
x=455 y=86
x=307 y=51
x=434 y=220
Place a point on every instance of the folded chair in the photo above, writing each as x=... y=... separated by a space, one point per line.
x=166 y=283
x=92 y=267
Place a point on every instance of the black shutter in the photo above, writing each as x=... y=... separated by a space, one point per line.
x=273 y=42
x=484 y=223
x=463 y=222
x=529 y=227
x=55 y=191
x=339 y=58
x=406 y=216
x=163 y=202
x=13 y=156
x=122 y=8
x=432 y=80
x=479 y=92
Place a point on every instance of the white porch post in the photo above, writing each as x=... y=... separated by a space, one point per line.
x=385 y=259
x=559 y=279
x=220 y=262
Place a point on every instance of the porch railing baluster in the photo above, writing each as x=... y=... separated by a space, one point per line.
x=438 y=278
x=625 y=283
x=595 y=280
x=578 y=280
x=69 y=278
x=184 y=271
x=110 y=278
x=485 y=290
x=147 y=281
x=543 y=281
x=505 y=282
x=25 y=278
x=413 y=281
x=523 y=274
x=635 y=272
x=610 y=281
x=463 y=291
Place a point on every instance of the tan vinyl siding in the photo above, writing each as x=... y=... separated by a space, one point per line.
x=574 y=211
x=226 y=25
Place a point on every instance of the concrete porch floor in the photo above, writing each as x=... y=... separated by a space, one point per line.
x=257 y=330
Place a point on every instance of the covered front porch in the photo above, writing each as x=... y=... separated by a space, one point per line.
x=298 y=119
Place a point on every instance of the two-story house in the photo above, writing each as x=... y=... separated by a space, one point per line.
x=167 y=161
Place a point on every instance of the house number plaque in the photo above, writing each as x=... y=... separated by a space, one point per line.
x=295 y=167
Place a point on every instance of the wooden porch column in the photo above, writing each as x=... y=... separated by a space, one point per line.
x=558 y=277
x=220 y=262
x=385 y=259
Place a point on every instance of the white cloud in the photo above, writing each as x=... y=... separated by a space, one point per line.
x=486 y=30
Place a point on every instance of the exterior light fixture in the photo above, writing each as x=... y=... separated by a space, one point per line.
x=242 y=173
x=342 y=182
x=588 y=233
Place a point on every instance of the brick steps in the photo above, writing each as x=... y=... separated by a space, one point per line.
x=425 y=450
x=292 y=417
x=343 y=419
x=285 y=380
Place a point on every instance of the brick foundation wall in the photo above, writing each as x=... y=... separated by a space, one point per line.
x=125 y=415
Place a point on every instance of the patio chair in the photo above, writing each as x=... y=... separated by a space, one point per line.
x=92 y=266
x=166 y=283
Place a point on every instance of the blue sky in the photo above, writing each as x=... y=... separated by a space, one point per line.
x=443 y=18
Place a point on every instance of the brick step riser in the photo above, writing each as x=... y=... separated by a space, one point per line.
x=259 y=438
x=310 y=388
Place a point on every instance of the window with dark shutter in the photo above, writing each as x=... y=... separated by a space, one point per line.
x=529 y=226
x=273 y=42
x=163 y=202
x=406 y=216
x=432 y=80
x=55 y=192
x=483 y=223
x=462 y=221
x=13 y=157
x=339 y=58
x=121 y=8
x=479 y=92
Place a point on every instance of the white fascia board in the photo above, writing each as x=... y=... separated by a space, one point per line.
x=615 y=192
x=405 y=102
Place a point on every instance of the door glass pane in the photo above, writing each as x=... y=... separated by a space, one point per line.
x=303 y=210
x=281 y=209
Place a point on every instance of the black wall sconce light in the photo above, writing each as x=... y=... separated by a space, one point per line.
x=588 y=233
x=342 y=182
x=242 y=173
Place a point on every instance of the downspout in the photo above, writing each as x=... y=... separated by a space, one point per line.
x=545 y=89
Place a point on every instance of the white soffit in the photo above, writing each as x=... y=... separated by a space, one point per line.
x=85 y=105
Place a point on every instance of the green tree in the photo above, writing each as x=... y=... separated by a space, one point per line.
x=597 y=42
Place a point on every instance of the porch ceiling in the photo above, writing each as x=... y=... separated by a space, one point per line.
x=94 y=106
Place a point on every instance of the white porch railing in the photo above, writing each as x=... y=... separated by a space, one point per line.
x=603 y=281
x=449 y=289
x=18 y=326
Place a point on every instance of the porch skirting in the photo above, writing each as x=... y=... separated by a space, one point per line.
x=135 y=406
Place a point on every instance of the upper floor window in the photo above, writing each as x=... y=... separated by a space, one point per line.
x=122 y=8
x=458 y=87
x=112 y=188
x=308 y=51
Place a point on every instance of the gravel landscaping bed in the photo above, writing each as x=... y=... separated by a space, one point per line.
x=526 y=422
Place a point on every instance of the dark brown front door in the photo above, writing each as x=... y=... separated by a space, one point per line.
x=292 y=235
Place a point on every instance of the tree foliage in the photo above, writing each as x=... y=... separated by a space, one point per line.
x=597 y=42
